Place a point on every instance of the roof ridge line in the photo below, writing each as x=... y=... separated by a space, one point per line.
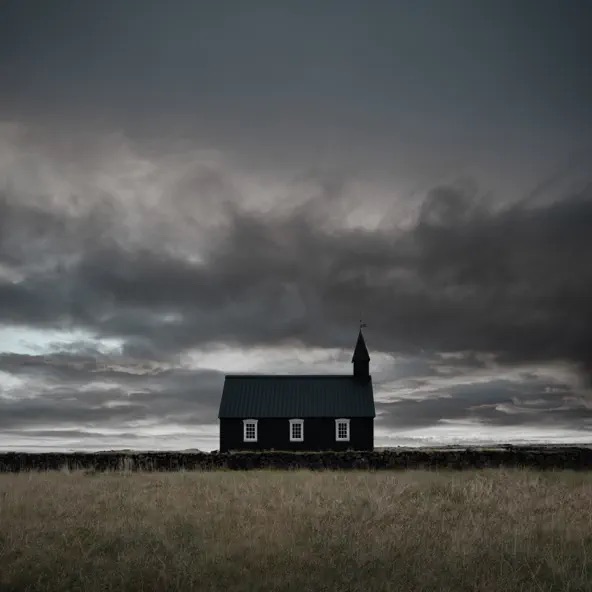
x=289 y=376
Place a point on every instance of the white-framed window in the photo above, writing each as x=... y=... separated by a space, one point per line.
x=342 y=430
x=250 y=430
x=296 y=430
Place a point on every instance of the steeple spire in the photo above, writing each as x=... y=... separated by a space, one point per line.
x=361 y=357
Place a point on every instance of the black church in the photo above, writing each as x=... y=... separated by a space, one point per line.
x=300 y=412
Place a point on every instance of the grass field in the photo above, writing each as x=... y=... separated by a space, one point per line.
x=492 y=530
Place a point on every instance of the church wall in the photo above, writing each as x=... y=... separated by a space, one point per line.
x=319 y=434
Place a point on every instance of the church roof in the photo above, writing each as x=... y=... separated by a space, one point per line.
x=296 y=396
x=361 y=352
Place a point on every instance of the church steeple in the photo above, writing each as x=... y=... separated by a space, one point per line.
x=361 y=358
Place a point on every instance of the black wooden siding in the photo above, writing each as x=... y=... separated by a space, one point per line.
x=319 y=434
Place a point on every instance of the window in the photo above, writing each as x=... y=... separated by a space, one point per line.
x=250 y=430
x=342 y=430
x=296 y=430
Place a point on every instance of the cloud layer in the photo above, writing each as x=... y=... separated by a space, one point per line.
x=184 y=256
x=189 y=189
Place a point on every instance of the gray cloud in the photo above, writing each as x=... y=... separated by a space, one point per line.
x=495 y=403
x=514 y=282
x=73 y=389
x=69 y=389
x=183 y=175
x=510 y=284
x=393 y=90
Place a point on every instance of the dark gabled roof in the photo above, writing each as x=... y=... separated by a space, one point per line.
x=296 y=396
x=361 y=352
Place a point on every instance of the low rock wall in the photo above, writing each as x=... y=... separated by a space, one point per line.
x=574 y=458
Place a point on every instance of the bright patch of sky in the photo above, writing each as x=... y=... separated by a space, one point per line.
x=420 y=387
x=8 y=274
x=206 y=437
x=162 y=437
x=472 y=433
x=24 y=340
x=285 y=360
x=9 y=382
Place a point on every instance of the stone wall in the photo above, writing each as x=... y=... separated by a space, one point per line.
x=545 y=457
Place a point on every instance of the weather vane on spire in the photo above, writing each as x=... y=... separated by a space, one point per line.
x=362 y=324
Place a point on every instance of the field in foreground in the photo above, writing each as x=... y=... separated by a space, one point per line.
x=490 y=530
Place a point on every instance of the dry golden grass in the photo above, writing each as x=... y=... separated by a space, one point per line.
x=497 y=530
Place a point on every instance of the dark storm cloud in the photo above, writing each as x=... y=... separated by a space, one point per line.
x=61 y=390
x=400 y=85
x=515 y=282
x=101 y=232
x=494 y=403
x=32 y=227
x=64 y=407
x=511 y=282
x=66 y=392
x=181 y=51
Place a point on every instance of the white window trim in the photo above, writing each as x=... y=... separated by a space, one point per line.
x=301 y=423
x=337 y=422
x=249 y=422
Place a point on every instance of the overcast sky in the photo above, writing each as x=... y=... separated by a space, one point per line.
x=189 y=189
